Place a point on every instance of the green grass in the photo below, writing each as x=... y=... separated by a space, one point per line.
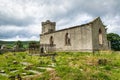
x=68 y=66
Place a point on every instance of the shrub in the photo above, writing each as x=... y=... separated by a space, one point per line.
x=102 y=61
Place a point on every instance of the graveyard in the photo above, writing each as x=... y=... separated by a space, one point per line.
x=66 y=66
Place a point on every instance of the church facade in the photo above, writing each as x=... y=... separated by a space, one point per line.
x=87 y=37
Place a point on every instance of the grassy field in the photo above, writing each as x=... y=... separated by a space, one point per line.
x=68 y=66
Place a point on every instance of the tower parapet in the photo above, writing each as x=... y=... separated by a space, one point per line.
x=48 y=26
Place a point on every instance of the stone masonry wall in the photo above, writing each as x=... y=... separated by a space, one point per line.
x=80 y=38
x=95 y=31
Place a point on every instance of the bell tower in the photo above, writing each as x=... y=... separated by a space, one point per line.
x=48 y=27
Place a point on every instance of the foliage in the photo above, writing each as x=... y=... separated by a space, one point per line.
x=33 y=42
x=19 y=44
x=115 y=41
x=68 y=66
x=10 y=44
x=84 y=66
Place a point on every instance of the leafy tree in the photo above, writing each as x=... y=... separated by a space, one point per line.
x=32 y=42
x=115 y=41
x=19 y=44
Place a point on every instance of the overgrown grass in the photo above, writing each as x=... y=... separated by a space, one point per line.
x=84 y=66
x=68 y=66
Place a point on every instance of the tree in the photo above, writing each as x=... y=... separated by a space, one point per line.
x=115 y=41
x=19 y=44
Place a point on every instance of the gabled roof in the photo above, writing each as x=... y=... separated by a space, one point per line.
x=98 y=18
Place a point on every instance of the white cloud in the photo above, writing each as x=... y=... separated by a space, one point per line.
x=23 y=18
x=112 y=23
x=76 y=20
x=16 y=38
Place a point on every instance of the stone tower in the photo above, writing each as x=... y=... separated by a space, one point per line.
x=48 y=27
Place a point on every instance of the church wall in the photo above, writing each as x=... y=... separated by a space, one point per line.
x=95 y=31
x=80 y=39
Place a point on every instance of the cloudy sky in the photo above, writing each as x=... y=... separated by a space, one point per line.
x=21 y=19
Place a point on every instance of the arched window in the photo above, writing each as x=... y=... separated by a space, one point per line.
x=100 y=37
x=67 y=39
x=51 y=40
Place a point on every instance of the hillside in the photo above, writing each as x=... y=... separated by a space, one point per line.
x=10 y=44
x=68 y=66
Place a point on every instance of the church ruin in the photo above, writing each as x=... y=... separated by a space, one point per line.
x=87 y=37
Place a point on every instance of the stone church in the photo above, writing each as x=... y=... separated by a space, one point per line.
x=87 y=37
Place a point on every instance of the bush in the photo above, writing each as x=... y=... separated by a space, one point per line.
x=102 y=61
